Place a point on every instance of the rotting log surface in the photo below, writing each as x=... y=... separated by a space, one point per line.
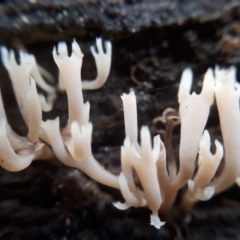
x=52 y=20
x=152 y=43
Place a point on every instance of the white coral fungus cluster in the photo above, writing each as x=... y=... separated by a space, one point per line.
x=160 y=175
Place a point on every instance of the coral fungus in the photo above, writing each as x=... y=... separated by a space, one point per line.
x=160 y=172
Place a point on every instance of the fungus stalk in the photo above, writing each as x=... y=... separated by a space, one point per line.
x=77 y=135
x=144 y=160
x=227 y=97
x=18 y=152
x=193 y=110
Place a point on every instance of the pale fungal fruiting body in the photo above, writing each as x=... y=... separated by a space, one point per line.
x=193 y=122
x=156 y=166
x=208 y=164
x=18 y=152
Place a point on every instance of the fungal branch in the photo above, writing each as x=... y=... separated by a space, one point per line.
x=73 y=144
x=17 y=152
